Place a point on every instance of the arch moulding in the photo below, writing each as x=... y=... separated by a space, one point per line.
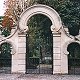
x=13 y=51
x=40 y=9
x=65 y=46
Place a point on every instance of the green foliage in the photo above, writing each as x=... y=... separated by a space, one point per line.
x=5 y=50
x=39 y=25
x=5 y=31
x=39 y=36
x=69 y=10
x=5 y=54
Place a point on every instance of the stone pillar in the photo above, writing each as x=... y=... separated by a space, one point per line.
x=56 y=53
x=64 y=55
x=14 y=40
x=21 y=53
x=19 y=58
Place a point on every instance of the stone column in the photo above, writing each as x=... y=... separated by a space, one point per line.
x=14 y=40
x=19 y=58
x=21 y=53
x=56 y=53
x=64 y=54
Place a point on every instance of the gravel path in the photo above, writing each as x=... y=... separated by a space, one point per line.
x=38 y=77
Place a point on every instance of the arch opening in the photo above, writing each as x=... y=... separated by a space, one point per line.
x=39 y=44
x=5 y=57
x=52 y=15
x=74 y=58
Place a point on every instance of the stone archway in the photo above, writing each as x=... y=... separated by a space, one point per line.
x=55 y=27
x=60 y=40
x=68 y=48
x=74 y=58
x=40 y=9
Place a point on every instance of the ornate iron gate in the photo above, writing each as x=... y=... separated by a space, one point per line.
x=39 y=58
x=39 y=63
x=39 y=45
x=5 y=58
x=74 y=58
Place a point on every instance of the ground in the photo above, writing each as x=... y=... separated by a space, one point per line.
x=38 y=77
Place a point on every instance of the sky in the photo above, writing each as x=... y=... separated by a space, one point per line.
x=2 y=9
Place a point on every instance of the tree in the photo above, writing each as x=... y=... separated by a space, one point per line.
x=7 y=22
x=6 y=26
x=69 y=10
x=10 y=8
x=14 y=8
